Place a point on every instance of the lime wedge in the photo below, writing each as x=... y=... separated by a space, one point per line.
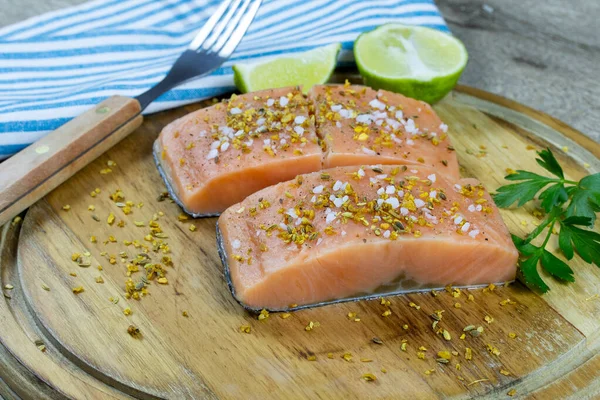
x=418 y=62
x=309 y=68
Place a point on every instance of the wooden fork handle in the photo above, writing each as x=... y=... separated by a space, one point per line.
x=36 y=170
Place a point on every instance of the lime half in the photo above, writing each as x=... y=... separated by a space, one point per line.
x=418 y=62
x=309 y=68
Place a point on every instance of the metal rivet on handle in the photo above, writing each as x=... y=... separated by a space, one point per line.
x=42 y=149
x=103 y=110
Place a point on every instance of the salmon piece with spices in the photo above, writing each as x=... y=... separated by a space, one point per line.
x=354 y=231
x=216 y=156
x=361 y=126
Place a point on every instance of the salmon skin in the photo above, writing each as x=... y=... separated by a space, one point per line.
x=217 y=156
x=350 y=233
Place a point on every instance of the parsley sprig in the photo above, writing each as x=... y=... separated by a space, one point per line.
x=570 y=207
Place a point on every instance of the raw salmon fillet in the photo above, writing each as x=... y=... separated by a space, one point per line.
x=350 y=231
x=216 y=156
x=361 y=126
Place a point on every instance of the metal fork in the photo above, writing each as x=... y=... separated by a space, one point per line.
x=36 y=170
x=211 y=47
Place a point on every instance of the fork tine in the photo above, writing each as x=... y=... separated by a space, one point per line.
x=240 y=30
x=221 y=25
x=209 y=25
x=224 y=37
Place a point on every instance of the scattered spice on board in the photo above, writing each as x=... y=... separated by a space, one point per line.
x=40 y=345
x=78 y=289
x=185 y=314
x=311 y=358
x=134 y=331
x=127 y=311
x=511 y=392
x=264 y=314
x=369 y=377
x=45 y=287
x=347 y=356
x=245 y=329
x=66 y=207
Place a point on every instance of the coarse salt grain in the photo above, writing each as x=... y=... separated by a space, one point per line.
x=399 y=114
x=313 y=199
x=225 y=146
x=270 y=102
x=431 y=177
x=337 y=185
x=330 y=218
x=458 y=220
x=380 y=191
x=236 y=244
x=345 y=113
x=471 y=208
x=404 y=211
x=400 y=193
x=375 y=103
x=393 y=201
x=283 y=101
x=336 y=107
x=465 y=227
x=213 y=153
x=235 y=111
x=299 y=119
x=410 y=142
x=292 y=213
x=215 y=144
x=338 y=124
x=419 y=203
x=369 y=151
x=363 y=119
x=386 y=234
x=390 y=189
x=299 y=130
x=360 y=172
x=260 y=121
x=474 y=233
x=443 y=127
x=457 y=187
x=318 y=189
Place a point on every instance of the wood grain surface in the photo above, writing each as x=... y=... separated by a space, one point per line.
x=544 y=54
x=204 y=354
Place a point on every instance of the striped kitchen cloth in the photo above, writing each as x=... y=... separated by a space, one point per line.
x=55 y=66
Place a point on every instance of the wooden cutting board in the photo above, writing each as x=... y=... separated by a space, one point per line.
x=88 y=353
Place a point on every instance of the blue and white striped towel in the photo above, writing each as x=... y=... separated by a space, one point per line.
x=55 y=66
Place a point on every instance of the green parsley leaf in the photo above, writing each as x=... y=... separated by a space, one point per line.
x=585 y=200
x=572 y=205
x=554 y=195
x=556 y=267
x=549 y=163
x=530 y=274
x=585 y=242
x=520 y=192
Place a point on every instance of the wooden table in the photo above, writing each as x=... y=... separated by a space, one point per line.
x=541 y=54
